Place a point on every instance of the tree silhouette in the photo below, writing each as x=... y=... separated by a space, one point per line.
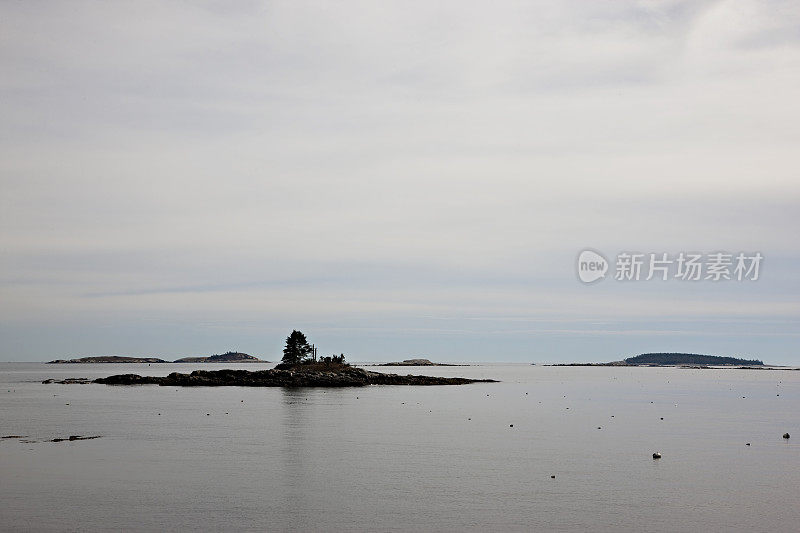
x=297 y=348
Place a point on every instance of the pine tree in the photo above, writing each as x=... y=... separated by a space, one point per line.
x=297 y=348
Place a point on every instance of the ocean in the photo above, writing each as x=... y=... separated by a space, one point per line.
x=477 y=457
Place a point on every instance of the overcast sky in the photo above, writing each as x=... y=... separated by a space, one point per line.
x=395 y=179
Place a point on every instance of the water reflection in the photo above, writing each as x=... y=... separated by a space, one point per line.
x=294 y=436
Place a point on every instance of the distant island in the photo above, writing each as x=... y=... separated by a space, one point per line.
x=227 y=357
x=417 y=362
x=109 y=359
x=670 y=359
x=674 y=359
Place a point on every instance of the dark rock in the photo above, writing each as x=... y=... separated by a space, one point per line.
x=68 y=381
x=75 y=437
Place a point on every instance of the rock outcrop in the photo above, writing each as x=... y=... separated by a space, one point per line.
x=344 y=376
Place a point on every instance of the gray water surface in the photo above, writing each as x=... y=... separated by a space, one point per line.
x=396 y=458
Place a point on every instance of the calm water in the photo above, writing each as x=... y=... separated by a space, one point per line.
x=405 y=458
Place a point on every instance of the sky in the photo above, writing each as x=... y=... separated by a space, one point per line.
x=395 y=179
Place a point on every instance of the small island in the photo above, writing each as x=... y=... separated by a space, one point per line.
x=108 y=359
x=299 y=367
x=417 y=362
x=692 y=360
x=227 y=357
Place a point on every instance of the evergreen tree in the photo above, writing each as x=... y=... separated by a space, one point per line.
x=297 y=348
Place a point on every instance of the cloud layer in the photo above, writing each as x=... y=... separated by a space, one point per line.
x=396 y=178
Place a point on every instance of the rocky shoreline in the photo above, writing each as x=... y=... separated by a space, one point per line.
x=340 y=377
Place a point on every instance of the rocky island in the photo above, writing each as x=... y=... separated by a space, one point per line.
x=417 y=362
x=299 y=367
x=227 y=357
x=305 y=375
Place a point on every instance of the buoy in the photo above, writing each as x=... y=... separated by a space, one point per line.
x=656 y=455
